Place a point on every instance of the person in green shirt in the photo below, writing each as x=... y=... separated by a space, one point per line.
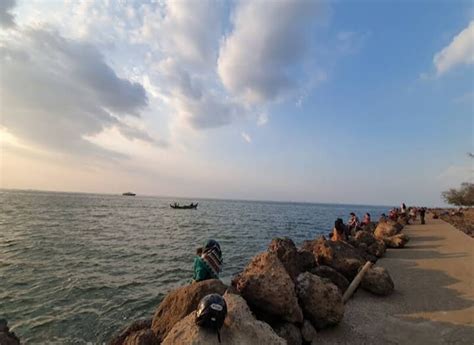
x=208 y=262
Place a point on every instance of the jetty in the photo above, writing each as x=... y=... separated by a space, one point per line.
x=389 y=283
x=433 y=302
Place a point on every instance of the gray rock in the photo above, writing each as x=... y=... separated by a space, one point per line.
x=308 y=332
x=268 y=288
x=289 y=332
x=330 y=273
x=377 y=280
x=321 y=300
x=180 y=302
x=240 y=327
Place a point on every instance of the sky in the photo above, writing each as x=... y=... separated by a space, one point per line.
x=366 y=102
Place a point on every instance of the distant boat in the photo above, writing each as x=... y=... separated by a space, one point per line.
x=128 y=194
x=184 y=207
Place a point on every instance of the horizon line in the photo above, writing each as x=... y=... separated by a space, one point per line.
x=195 y=197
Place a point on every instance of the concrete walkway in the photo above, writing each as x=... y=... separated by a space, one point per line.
x=433 y=302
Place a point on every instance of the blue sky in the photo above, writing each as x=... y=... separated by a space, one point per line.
x=349 y=101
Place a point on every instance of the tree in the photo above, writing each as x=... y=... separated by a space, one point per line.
x=464 y=196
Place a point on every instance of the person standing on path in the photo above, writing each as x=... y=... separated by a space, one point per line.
x=422 y=215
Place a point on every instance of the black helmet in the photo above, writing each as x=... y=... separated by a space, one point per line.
x=211 y=312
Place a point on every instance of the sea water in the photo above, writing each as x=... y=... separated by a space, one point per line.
x=75 y=268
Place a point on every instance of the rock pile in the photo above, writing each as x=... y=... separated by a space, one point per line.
x=284 y=295
x=389 y=233
x=7 y=337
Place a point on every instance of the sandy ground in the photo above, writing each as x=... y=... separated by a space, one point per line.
x=433 y=302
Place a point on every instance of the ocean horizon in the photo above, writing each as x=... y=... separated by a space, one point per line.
x=192 y=198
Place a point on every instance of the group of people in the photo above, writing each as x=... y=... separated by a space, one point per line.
x=410 y=213
x=342 y=232
x=208 y=260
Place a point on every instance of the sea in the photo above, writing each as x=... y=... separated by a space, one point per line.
x=75 y=268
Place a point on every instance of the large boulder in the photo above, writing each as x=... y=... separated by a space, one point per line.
x=334 y=276
x=308 y=333
x=387 y=229
x=306 y=260
x=240 y=327
x=180 y=302
x=396 y=241
x=377 y=248
x=142 y=337
x=286 y=251
x=339 y=255
x=295 y=261
x=377 y=281
x=268 y=288
x=365 y=254
x=369 y=227
x=289 y=332
x=7 y=337
x=321 y=300
x=365 y=237
x=404 y=220
x=137 y=333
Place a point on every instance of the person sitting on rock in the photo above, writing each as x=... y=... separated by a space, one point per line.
x=208 y=264
x=383 y=218
x=366 y=220
x=353 y=223
x=339 y=231
x=393 y=215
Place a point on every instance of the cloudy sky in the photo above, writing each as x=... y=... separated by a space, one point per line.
x=346 y=101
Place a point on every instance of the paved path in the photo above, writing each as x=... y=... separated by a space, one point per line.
x=433 y=302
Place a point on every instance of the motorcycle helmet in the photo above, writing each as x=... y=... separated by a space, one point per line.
x=211 y=312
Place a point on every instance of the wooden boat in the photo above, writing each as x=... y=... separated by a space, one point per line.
x=128 y=194
x=184 y=207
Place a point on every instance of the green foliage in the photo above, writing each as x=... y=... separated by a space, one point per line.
x=464 y=196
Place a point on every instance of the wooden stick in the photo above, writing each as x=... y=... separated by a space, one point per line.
x=355 y=283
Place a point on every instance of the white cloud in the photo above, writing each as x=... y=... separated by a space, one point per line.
x=459 y=52
x=262 y=119
x=55 y=91
x=176 y=52
x=260 y=60
x=246 y=137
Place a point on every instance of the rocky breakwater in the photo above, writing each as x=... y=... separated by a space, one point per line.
x=284 y=295
x=390 y=233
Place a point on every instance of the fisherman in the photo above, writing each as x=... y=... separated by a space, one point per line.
x=208 y=264
x=339 y=231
